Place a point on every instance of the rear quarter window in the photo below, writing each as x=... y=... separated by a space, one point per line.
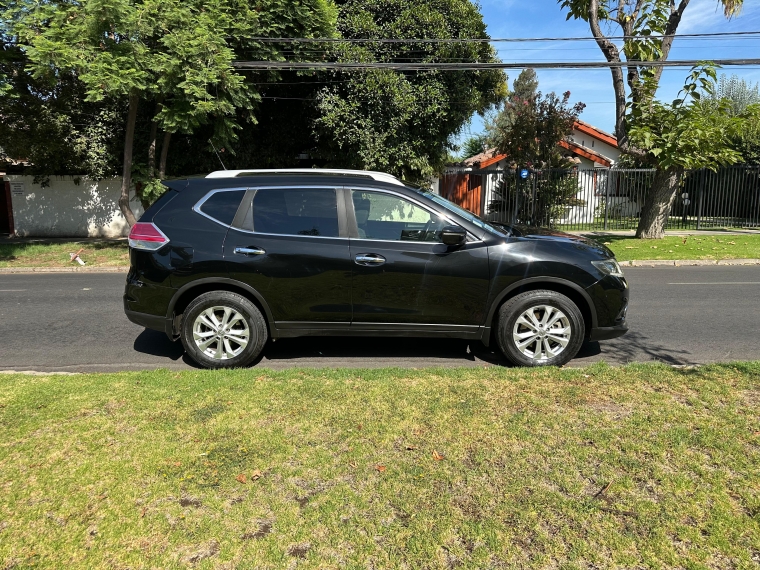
x=223 y=205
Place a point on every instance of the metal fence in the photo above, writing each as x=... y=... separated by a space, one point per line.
x=606 y=199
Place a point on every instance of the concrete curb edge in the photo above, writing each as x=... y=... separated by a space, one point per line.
x=687 y=262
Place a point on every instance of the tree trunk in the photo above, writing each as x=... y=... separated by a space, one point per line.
x=656 y=210
x=164 y=154
x=126 y=180
x=152 y=150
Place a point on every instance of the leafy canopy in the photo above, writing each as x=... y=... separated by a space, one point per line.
x=178 y=51
x=401 y=122
x=689 y=133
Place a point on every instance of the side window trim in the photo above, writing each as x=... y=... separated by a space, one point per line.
x=244 y=214
x=199 y=204
x=353 y=227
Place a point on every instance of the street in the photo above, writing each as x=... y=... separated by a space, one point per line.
x=75 y=323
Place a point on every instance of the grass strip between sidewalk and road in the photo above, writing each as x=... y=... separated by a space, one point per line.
x=95 y=254
x=636 y=466
x=116 y=254
x=693 y=247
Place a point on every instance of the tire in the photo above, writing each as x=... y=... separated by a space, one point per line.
x=540 y=347
x=243 y=335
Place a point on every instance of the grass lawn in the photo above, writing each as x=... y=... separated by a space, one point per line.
x=57 y=254
x=642 y=466
x=684 y=247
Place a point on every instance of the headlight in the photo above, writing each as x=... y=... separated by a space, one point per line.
x=609 y=267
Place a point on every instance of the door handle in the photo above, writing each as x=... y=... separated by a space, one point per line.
x=249 y=251
x=371 y=259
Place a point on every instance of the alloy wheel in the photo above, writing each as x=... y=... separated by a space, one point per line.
x=221 y=333
x=542 y=332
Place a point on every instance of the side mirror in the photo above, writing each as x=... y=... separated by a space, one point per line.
x=453 y=235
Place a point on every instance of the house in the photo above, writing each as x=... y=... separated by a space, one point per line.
x=473 y=183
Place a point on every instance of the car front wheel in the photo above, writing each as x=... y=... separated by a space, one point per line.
x=221 y=329
x=540 y=328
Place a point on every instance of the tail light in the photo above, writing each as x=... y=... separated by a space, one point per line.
x=147 y=236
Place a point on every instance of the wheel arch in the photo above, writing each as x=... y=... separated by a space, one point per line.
x=575 y=293
x=185 y=295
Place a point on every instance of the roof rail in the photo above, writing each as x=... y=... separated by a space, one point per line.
x=378 y=176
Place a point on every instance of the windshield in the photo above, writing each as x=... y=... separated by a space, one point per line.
x=462 y=213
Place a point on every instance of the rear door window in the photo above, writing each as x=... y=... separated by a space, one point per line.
x=294 y=211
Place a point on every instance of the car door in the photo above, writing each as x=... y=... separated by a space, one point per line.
x=404 y=277
x=291 y=245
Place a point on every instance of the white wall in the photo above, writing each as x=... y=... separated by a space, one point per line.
x=610 y=152
x=71 y=206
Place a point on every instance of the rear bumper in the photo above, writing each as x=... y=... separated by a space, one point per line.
x=154 y=322
x=607 y=333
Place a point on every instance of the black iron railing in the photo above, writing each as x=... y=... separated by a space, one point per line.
x=608 y=199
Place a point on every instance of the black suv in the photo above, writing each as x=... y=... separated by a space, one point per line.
x=226 y=262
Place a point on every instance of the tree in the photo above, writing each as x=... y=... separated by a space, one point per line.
x=528 y=129
x=474 y=145
x=47 y=122
x=649 y=28
x=525 y=86
x=740 y=94
x=174 y=55
x=737 y=96
x=684 y=134
x=400 y=122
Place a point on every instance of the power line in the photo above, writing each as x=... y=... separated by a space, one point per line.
x=475 y=66
x=491 y=40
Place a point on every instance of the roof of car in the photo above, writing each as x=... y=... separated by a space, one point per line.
x=365 y=174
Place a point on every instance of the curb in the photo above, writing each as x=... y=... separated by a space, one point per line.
x=106 y=269
x=687 y=262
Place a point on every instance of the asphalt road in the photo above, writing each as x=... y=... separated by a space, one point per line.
x=75 y=323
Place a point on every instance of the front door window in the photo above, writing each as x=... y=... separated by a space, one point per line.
x=382 y=216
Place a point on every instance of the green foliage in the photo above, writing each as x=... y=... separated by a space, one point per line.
x=739 y=92
x=174 y=55
x=392 y=121
x=525 y=86
x=177 y=55
x=747 y=143
x=530 y=130
x=686 y=133
x=178 y=52
x=474 y=145
x=48 y=122
x=738 y=98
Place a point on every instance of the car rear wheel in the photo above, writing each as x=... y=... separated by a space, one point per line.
x=222 y=329
x=540 y=328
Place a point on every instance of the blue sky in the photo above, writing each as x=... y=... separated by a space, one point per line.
x=545 y=18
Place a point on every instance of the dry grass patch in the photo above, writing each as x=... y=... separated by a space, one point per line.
x=640 y=466
x=94 y=253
